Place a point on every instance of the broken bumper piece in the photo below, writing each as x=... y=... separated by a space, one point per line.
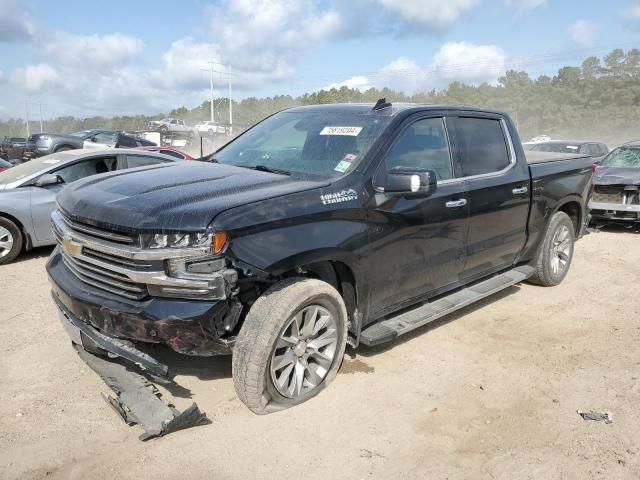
x=136 y=399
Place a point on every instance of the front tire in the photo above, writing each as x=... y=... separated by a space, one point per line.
x=556 y=252
x=290 y=346
x=11 y=241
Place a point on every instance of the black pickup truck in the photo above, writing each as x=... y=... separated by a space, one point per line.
x=320 y=226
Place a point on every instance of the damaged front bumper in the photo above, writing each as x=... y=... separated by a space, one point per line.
x=136 y=399
x=615 y=211
x=187 y=326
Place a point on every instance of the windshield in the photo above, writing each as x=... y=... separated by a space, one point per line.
x=555 y=147
x=29 y=168
x=623 y=157
x=317 y=144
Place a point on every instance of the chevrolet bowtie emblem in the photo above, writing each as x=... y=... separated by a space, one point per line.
x=70 y=247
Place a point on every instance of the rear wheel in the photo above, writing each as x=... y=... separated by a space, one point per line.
x=290 y=346
x=10 y=241
x=556 y=252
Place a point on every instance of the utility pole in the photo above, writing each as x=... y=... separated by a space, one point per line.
x=230 y=104
x=229 y=74
x=211 y=88
x=26 y=106
x=40 y=117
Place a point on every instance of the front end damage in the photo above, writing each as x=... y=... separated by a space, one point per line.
x=115 y=293
x=615 y=203
x=136 y=400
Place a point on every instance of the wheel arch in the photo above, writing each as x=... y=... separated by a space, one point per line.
x=28 y=244
x=574 y=208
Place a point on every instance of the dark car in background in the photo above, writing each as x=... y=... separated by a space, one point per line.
x=11 y=147
x=590 y=148
x=41 y=144
x=616 y=186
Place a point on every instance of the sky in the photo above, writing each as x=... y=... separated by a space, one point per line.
x=126 y=57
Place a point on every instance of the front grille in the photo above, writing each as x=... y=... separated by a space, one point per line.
x=100 y=233
x=607 y=195
x=104 y=279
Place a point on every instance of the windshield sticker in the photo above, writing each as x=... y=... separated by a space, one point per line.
x=349 y=157
x=339 y=197
x=342 y=166
x=348 y=131
x=53 y=161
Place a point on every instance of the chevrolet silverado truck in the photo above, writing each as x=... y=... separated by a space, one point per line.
x=320 y=226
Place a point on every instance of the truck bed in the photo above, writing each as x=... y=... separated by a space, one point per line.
x=545 y=157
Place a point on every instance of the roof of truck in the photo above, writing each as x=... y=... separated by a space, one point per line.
x=393 y=109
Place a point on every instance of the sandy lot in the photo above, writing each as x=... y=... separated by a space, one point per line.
x=492 y=394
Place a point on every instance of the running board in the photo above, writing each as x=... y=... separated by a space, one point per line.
x=387 y=330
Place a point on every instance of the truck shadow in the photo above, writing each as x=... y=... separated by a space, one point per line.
x=38 y=252
x=366 y=351
x=202 y=368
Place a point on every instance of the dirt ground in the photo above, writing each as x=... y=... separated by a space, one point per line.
x=492 y=394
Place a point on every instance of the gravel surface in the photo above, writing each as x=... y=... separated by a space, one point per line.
x=493 y=394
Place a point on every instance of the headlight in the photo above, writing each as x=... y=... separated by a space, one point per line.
x=44 y=138
x=175 y=240
x=215 y=241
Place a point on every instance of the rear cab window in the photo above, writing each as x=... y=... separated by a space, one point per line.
x=481 y=146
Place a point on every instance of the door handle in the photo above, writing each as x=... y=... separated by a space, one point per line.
x=456 y=203
x=519 y=190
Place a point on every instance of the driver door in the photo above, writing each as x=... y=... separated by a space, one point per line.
x=43 y=199
x=417 y=243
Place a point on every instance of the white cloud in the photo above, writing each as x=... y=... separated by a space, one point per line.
x=437 y=15
x=468 y=62
x=631 y=17
x=110 y=50
x=524 y=5
x=455 y=61
x=15 y=24
x=583 y=32
x=267 y=36
x=35 y=78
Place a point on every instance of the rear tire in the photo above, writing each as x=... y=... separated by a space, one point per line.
x=290 y=346
x=556 y=252
x=11 y=241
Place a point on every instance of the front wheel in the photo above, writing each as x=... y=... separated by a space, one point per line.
x=556 y=252
x=290 y=346
x=10 y=241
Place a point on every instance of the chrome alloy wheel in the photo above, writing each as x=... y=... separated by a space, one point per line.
x=6 y=242
x=304 y=352
x=560 y=250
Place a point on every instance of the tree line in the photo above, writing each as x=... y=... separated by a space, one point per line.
x=599 y=100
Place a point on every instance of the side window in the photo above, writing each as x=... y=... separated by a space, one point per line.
x=134 y=161
x=86 y=168
x=422 y=144
x=106 y=138
x=482 y=147
x=174 y=122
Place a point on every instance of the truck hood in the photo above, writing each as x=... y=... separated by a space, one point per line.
x=616 y=176
x=181 y=196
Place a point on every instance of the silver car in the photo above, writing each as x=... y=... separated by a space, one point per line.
x=28 y=191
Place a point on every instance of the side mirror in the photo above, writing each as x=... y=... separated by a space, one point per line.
x=48 y=179
x=410 y=182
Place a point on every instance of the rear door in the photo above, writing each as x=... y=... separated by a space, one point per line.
x=417 y=245
x=498 y=189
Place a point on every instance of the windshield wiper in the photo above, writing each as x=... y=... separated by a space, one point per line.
x=264 y=168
